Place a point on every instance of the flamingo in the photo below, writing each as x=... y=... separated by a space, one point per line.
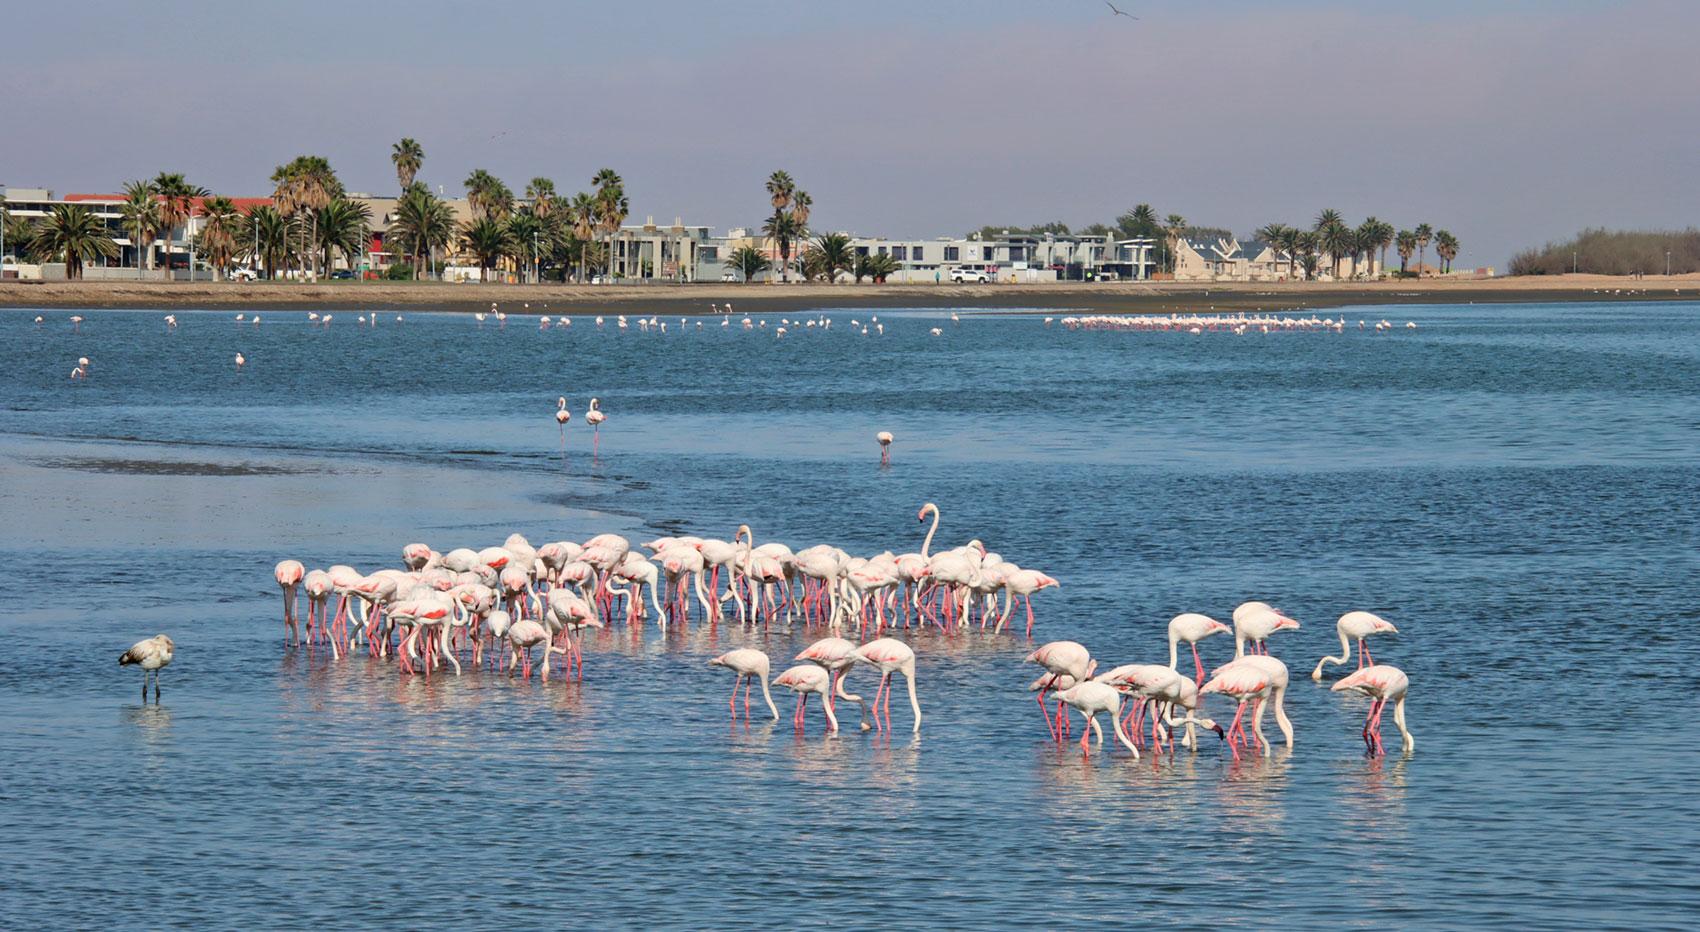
x=153 y=654
x=594 y=417
x=889 y=656
x=1381 y=683
x=240 y=362
x=288 y=574
x=1091 y=698
x=562 y=416
x=523 y=635
x=1192 y=627
x=804 y=679
x=1062 y=657
x=837 y=656
x=1247 y=678
x=885 y=438
x=1355 y=626
x=1255 y=622
x=749 y=664
x=319 y=587
x=1022 y=584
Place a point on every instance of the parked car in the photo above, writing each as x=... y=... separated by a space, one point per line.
x=342 y=274
x=243 y=275
x=961 y=275
x=729 y=276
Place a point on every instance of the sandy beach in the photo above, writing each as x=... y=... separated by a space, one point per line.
x=1145 y=297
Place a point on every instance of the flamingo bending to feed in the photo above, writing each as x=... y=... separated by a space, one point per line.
x=749 y=664
x=1381 y=683
x=288 y=574
x=1022 y=584
x=1248 y=678
x=804 y=679
x=153 y=654
x=522 y=637
x=1090 y=698
x=1062 y=657
x=889 y=656
x=1255 y=622
x=885 y=438
x=1191 y=627
x=837 y=656
x=1355 y=626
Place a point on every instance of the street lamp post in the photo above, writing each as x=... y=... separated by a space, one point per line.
x=536 y=270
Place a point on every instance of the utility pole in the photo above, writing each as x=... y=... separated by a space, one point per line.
x=1573 y=262
x=1667 y=263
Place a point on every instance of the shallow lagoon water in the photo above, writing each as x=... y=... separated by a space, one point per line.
x=1515 y=487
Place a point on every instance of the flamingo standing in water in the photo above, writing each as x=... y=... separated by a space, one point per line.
x=1355 y=626
x=885 y=438
x=837 y=656
x=1021 y=584
x=1091 y=698
x=889 y=656
x=288 y=574
x=562 y=416
x=240 y=362
x=153 y=654
x=594 y=417
x=805 y=679
x=1245 y=679
x=1381 y=683
x=1255 y=622
x=749 y=664
x=1191 y=627
x=1062 y=657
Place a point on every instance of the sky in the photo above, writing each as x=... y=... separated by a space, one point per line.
x=1510 y=123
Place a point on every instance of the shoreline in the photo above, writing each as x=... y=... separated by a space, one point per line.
x=1119 y=297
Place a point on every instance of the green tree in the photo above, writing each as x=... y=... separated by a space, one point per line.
x=832 y=254
x=1446 y=247
x=529 y=236
x=422 y=225
x=1174 y=228
x=1424 y=233
x=302 y=188
x=342 y=226
x=273 y=237
x=220 y=226
x=1307 y=242
x=177 y=199
x=487 y=239
x=408 y=157
x=582 y=211
x=1406 y=243
x=783 y=229
x=1338 y=241
x=71 y=234
x=879 y=267
x=748 y=262
x=141 y=219
x=540 y=192
x=611 y=205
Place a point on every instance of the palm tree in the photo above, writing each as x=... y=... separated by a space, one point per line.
x=177 y=197
x=217 y=239
x=832 y=254
x=780 y=187
x=1337 y=240
x=782 y=228
x=1381 y=237
x=748 y=262
x=1173 y=229
x=541 y=193
x=273 y=233
x=1423 y=233
x=1329 y=217
x=801 y=205
x=304 y=186
x=487 y=239
x=422 y=224
x=408 y=157
x=342 y=226
x=1365 y=239
x=529 y=237
x=73 y=235
x=879 y=267
x=611 y=205
x=1446 y=247
x=1406 y=243
x=489 y=198
x=1307 y=242
x=582 y=212
x=141 y=219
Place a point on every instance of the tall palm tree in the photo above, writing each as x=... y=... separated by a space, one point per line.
x=780 y=188
x=479 y=186
x=1446 y=247
x=408 y=157
x=141 y=219
x=71 y=234
x=581 y=211
x=1329 y=217
x=422 y=224
x=1406 y=243
x=529 y=236
x=611 y=207
x=801 y=205
x=748 y=262
x=782 y=228
x=541 y=193
x=832 y=254
x=177 y=197
x=487 y=239
x=1337 y=240
x=1307 y=242
x=304 y=186
x=342 y=226
x=1423 y=233
x=1365 y=239
x=1173 y=229
x=219 y=229
x=273 y=238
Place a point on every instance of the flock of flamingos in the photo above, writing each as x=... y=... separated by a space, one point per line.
x=515 y=607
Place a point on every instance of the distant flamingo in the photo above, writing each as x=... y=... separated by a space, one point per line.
x=1091 y=698
x=562 y=416
x=749 y=664
x=1192 y=627
x=288 y=574
x=594 y=417
x=805 y=679
x=885 y=438
x=1381 y=683
x=153 y=654
x=889 y=656
x=240 y=362
x=1355 y=626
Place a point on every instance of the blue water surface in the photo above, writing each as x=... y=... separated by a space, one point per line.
x=1515 y=487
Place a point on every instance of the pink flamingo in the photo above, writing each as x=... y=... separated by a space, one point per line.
x=1192 y=627
x=1022 y=584
x=837 y=656
x=594 y=417
x=1062 y=657
x=1091 y=698
x=1246 y=679
x=806 y=679
x=288 y=574
x=749 y=664
x=889 y=656
x=1255 y=622
x=562 y=416
x=1355 y=626
x=885 y=438
x=1381 y=683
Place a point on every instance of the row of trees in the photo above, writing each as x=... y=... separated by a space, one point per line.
x=1614 y=252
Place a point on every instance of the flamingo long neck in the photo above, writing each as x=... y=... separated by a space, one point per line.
x=1345 y=655
x=826 y=706
x=1281 y=719
x=768 y=698
x=1174 y=652
x=914 y=703
x=925 y=544
x=1399 y=719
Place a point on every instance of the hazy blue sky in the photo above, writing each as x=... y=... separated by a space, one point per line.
x=1509 y=123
